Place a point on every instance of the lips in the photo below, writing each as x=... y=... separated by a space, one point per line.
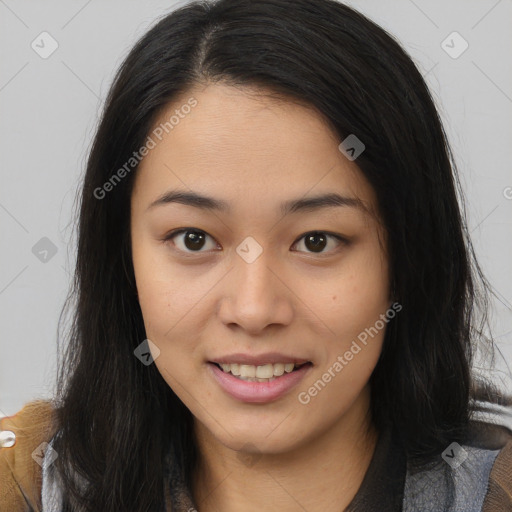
x=258 y=389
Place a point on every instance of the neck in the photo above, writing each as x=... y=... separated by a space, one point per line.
x=321 y=474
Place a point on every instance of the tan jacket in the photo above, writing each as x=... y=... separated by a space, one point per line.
x=20 y=473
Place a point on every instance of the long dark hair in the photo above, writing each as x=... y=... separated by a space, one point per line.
x=117 y=417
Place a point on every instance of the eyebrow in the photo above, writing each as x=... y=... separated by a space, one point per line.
x=292 y=206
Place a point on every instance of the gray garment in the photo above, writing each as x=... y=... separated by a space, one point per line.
x=443 y=488
x=51 y=492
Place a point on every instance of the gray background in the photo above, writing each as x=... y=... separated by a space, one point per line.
x=50 y=107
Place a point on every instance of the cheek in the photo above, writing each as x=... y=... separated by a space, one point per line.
x=356 y=297
x=165 y=294
x=173 y=306
x=352 y=308
x=347 y=363
x=168 y=310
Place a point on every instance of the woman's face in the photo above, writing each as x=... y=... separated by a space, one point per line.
x=255 y=277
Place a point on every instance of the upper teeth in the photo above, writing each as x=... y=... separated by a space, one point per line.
x=265 y=371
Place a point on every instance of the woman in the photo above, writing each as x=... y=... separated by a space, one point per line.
x=275 y=290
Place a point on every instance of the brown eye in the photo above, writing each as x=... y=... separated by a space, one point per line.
x=190 y=240
x=317 y=241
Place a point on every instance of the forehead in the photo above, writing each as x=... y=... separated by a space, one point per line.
x=240 y=143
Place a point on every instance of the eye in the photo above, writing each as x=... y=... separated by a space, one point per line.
x=193 y=241
x=317 y=241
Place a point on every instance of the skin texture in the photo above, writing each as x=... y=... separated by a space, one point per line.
x=256 y=152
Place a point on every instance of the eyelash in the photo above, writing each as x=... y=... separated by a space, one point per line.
x=343 y=241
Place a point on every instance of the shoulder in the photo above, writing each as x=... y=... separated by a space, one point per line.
x=475 y=476
x=497 y=438
x=20 y=463
x=499 y=491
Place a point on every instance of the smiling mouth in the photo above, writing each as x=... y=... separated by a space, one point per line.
x=262 y=373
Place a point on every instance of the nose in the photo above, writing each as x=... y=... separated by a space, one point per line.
x=256 y=296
